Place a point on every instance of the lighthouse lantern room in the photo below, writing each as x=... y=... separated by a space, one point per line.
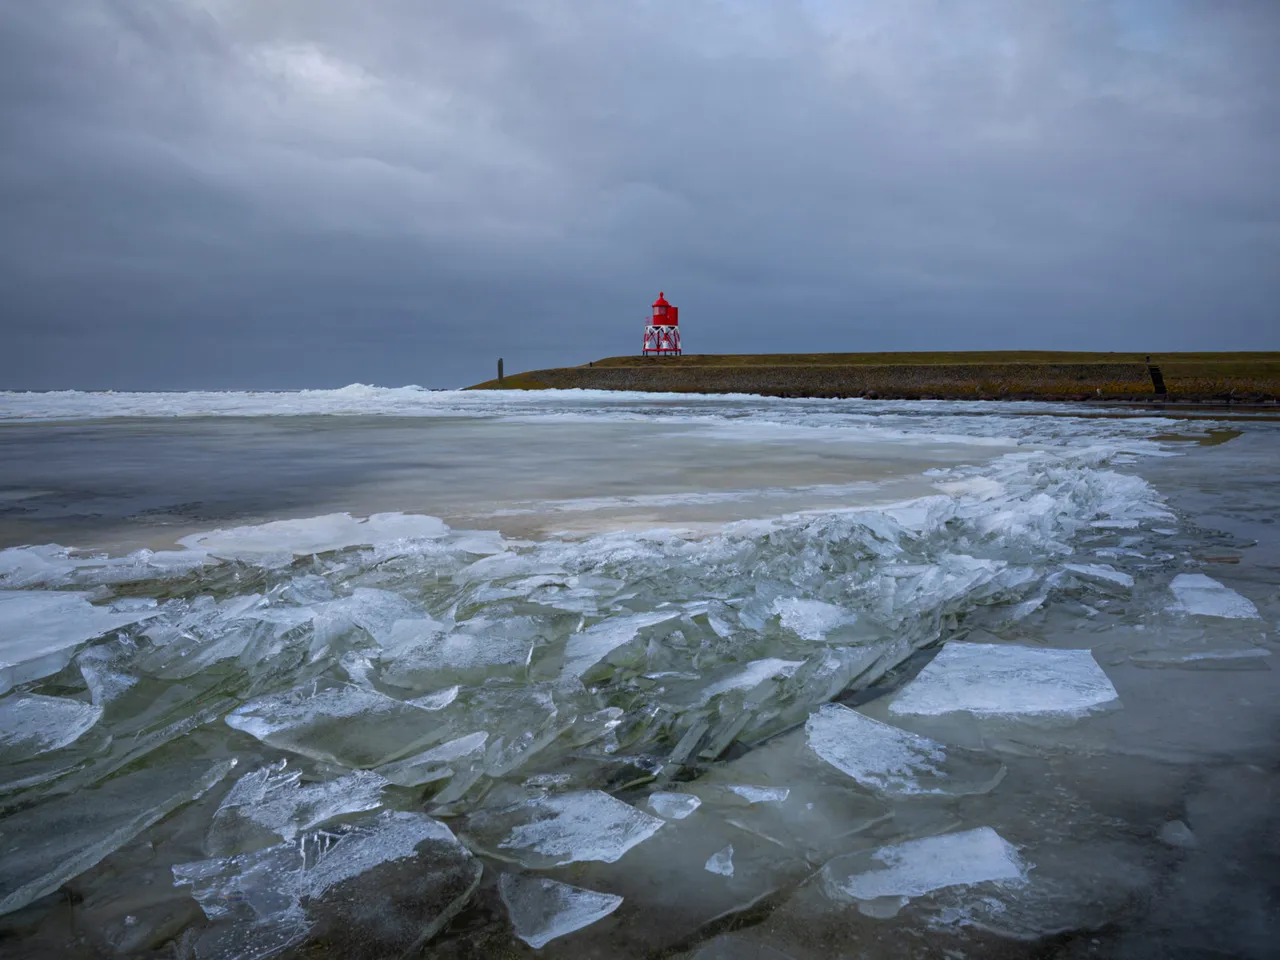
x=662 y=332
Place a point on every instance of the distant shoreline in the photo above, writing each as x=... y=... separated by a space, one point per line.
x=1243 y=378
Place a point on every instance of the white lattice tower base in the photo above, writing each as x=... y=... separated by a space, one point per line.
x=661 y=340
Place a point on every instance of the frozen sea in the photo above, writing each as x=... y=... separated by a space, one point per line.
x=397 y=672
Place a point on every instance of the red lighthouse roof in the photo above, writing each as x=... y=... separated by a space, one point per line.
x=661 y=301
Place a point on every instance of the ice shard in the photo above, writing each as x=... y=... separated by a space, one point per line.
x=31 y=724
x=1206 y=597
x=1003 y=680
x=918 y=867
x=542 y=909
x=673 y=806
x=893 y=761
x=563 y=828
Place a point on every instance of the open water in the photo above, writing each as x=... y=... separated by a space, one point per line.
x=396 y=672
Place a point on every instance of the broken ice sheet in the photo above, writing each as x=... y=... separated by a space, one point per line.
x=339 y=723
x=673 y=806
x=721 y=862
x=894 y=761
x=564 y=828
x=40 y=631
x=592 y=645
x=1203 y=596
x=44 y=846
x=31 y=724
x=270 y=804
x=1001 y=680
x=912 y=869
x=542 y=909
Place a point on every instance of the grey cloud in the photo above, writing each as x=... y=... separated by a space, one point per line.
x=314 y=192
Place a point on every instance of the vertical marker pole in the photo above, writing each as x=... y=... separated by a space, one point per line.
x=499 y=369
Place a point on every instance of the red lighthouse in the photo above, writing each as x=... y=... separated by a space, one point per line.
x=662 y=332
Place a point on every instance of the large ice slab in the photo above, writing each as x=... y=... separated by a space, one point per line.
x=542 y=909
x=335 y=531
x=918 y=867
x=1002 y=680
x=32 y=724
x=563 y=828
x=44 y=846
x=1204 y=596
x=40 y=631
x=894 y=761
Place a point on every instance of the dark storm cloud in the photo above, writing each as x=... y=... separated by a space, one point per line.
x=312 y=192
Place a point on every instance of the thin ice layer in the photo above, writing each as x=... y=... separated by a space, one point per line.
x=40 y=631
x=1206 y=597
x=542 y=909
x=44 y=846
x=873 y=753
x=31 y=724
x=592 y=645
x=1000 y=680
x=335 y=531
x=917 y=867
x=570 y=827
x=673 y=806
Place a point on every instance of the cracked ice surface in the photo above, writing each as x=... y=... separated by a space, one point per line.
x=917 y=867
x=1206 y=597
x=542 y=909
x=996 y=679
x=273 y=800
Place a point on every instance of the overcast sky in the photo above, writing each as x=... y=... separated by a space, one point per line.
x=243 y=193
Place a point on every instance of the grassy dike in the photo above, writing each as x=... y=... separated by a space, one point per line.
x=1011 y=375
